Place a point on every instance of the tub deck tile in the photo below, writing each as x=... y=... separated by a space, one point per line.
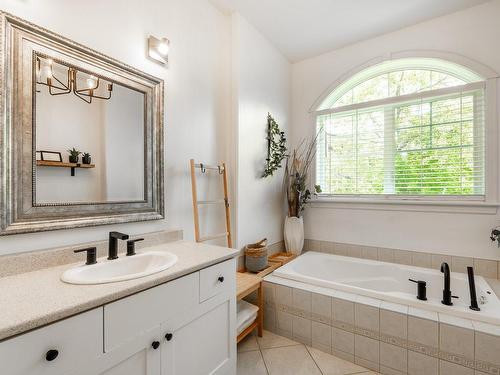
x=393 y=327
x=456 y=344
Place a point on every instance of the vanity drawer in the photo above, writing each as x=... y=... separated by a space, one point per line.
x=74 y=342
x=131 y=317
x=217 y=279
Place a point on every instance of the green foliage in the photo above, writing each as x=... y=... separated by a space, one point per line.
x=276 y=147
x=305 y=194
x=397 y=83
x=74 y=152
x=296 y=176
x=435 y=151
x=433 y=142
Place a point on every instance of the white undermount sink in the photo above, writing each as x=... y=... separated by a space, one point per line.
x=121 y=269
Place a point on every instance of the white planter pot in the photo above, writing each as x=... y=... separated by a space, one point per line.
x=294 y=234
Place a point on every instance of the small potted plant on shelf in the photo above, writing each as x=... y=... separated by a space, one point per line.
x=86 y=158
x=74 y=154
x=297 y=193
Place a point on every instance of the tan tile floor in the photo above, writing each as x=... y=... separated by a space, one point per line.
x=277 y=355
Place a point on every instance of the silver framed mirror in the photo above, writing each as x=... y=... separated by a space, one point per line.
x=81 y=135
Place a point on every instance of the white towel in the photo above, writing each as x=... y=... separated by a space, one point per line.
x=246 y=313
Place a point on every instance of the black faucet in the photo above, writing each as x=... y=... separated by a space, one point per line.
x=421 y=289
x=113 y=244
x=446 y=291
x=91 y=255
x=131 y=246
x=472 y=290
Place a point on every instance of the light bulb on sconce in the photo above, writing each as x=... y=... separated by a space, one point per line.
x=47 y=69
x=47 y=72
x=91 y=82
x=38 y=69
x=163 y=48
x=158 y=49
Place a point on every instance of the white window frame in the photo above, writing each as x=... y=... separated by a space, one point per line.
x=486 y=204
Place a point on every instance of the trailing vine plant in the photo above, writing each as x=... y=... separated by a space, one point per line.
x=276 y=147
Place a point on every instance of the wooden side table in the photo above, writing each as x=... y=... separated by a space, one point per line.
x=271 y=266
x=247 y=283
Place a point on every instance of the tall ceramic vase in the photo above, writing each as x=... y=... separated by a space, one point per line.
x=294 y=234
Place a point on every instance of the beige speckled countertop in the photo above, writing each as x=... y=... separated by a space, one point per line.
x=33 y=299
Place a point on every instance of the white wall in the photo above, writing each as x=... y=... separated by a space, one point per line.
x=124 y=145
x=64 y=122
x=473 y=33
x=261 y=84
x=197 y=89
x=112 y=131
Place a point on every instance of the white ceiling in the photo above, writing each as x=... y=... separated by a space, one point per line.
x=305 y=28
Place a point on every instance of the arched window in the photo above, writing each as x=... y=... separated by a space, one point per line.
x=407 y=127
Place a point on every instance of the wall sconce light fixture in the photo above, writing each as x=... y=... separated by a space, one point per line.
x=158 y=49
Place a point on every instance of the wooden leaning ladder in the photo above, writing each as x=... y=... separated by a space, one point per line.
x=221 y=170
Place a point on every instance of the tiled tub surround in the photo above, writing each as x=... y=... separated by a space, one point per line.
x=383 y=336
x=390 y=282
x=483 y=267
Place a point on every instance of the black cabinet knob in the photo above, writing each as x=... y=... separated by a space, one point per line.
x=221 y=279
x=169 y=336
x=155 y=344
x=51 y=355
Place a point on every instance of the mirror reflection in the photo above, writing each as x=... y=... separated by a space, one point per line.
x=89 y=136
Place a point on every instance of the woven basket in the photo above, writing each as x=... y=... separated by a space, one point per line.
x=256 y=256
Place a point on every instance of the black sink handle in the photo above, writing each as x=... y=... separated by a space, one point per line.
x=131 y=246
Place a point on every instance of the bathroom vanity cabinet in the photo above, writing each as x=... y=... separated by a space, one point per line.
x=185 y=326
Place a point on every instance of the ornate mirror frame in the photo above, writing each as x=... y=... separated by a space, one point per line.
x=20 y=42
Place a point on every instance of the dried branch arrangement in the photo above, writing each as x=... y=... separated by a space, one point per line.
x=296 y=176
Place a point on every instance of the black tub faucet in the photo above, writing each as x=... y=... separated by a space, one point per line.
x=113 y=244
x=421 y=289
x=446 y=291
x=472 y=290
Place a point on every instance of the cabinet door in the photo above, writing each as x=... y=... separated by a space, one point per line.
x=62 y=348
x=141 y=356
x=140 y=363
x=128 y=318
x=203 y=345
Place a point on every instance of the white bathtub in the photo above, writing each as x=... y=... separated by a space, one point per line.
x=389 y=282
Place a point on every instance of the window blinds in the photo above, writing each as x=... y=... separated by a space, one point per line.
x=426 y=144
